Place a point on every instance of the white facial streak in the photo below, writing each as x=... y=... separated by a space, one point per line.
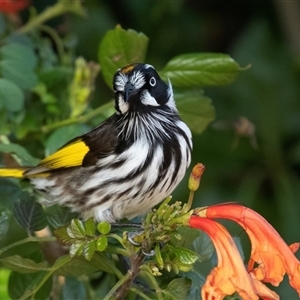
x=147 y=99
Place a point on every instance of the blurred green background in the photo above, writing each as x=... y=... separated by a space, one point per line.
x=261 y=167
x=252 y=150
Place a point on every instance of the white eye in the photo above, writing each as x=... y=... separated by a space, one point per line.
x=152 y=81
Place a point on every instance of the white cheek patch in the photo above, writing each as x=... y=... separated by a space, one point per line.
x=147 y=99
x=123 y=106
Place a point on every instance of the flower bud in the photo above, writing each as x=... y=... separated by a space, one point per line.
x=195 y=177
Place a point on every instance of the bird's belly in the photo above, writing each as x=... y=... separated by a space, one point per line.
x=139 y=200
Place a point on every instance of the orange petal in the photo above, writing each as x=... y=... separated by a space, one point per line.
x=230 y=274
x=264 y=292
x=269 y=251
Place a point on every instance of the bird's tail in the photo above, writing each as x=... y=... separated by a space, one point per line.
x=13 y=172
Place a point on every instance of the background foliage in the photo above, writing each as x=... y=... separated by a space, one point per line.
x=251 y=150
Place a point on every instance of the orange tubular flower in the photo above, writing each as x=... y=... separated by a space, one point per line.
x=272 y=255
x=230 y=275
x=13 y=6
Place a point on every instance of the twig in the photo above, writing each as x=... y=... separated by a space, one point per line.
x=82 y=119
x=27 y=240
x=133 y=273
x=61 y=7
x=117 y=285
x=140 y=293
x=57 y=41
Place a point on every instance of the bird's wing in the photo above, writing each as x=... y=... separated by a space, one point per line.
x=82 y=151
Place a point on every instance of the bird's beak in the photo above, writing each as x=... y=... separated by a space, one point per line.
x=129 y=90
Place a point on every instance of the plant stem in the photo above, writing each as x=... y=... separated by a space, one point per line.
x=57 y=41
x=153 y=281
x=61 y=7
x=136 y=262
x=119 y=284
x=140 y=293
x=116 y=250
x=82 y=119
x=59 y=263
x=28 y=240
x=189 y=204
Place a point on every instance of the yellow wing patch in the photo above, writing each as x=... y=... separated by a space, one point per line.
x=71 y=155
x=13 y=172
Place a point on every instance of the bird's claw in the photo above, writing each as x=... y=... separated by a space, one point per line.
x=132 y=234
x=149 y=254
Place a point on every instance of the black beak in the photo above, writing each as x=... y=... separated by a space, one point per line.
x=129 y=90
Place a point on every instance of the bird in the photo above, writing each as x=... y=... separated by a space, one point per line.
x=125 y=165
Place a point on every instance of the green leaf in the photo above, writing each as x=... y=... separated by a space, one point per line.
x=76 y=248
x=17 y=64
x=177 y=258
x=63 y=235
x=4 y=222
x=37 y=289
x=185 y=255
x=195 y=109
x=23 y=265
x=76 y=229
x=20 y=152
x=21 y=284
x=11 y=96
x=204 y=247
x=188 y=235
x=103 y=262
x=59 y=216
x=57 y=77
x=29 y=214
x=158 y=256
x=4 y=277
x=198 y=277
x=102 y=243
x=77 y=266
x=201 y=69
x=90 y=227
x=73 y=289
x=9 y=192
x=20 y=53
x=22 y=39
x=177 y=289
x=106 y=283
x=19 y=74
x=104 y=227
x=60 y=262
x=89 y=249
x=118 y=48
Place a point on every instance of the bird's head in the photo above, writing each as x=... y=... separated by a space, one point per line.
x=138 y=86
